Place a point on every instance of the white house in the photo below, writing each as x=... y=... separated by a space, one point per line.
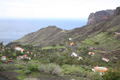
x=91 y=53
x=80 y=58
x=105 y=59
x=3 y=57
x=19 y=49
x=74 y=54
x=70 y=39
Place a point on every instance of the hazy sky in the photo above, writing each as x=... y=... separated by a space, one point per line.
x=53 y=8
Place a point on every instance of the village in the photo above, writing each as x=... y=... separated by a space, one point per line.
x=92 y=62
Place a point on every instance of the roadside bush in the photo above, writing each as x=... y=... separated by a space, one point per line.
x=50 y=68
x=74 y=71
x=32 y=67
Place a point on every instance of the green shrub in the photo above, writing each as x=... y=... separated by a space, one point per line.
x=50 y=68
x=32 y=67
x=27 y=71
x=31 y=79
x=2 y=68
x=97 y=43
x=44 y=61
x=104 y=30
x=109 y=33
x=19 y=66
x=74 y=70
x=10 y=67
x=1 y=63
x=111 y=75
x=94 y=76
x=6 y=67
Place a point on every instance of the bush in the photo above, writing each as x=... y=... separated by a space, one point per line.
x=32 y=67
x=10 y=67
x=27 y=71
x=19 y=66
x=2 y=68
x=94 y=76
x=6 y=67
x=74 y=71
x=97 y=43
x=31 y=79
x=50 y=68
x=111 y=75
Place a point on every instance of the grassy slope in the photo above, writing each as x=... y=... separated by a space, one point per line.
x=104 y=40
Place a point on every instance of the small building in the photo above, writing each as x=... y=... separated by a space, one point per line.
x=24 y=55
x=91 y=53
x=31 y=53
x=80 y=58
x=70 y=39
x=105 y=59
x=19 y=57
x=3 y=58
x=72 y=44
x=100 y=69
x=19 y=49
x=74 y=54
x=27 y=58
x=34 y=55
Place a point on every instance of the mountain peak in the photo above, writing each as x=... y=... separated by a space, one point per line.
x=51 y=26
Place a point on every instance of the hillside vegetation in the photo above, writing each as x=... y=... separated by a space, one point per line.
x=52 y=53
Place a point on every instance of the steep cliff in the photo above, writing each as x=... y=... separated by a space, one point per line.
x=99 y=16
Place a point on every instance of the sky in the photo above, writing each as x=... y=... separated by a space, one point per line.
x=53 y=8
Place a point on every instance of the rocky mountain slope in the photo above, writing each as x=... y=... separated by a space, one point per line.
x=52 y=35
x=99 y=16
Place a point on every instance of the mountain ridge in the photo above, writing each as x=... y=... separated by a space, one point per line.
x=52 y=35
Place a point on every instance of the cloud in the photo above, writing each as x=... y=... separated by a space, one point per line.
x=53 y=8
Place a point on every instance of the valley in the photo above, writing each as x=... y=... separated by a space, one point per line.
x=91 y=52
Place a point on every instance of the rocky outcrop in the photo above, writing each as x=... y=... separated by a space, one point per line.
x=117 y=11
x=99 y=16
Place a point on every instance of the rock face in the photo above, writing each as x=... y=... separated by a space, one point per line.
x=99 y=16
x=117 y=11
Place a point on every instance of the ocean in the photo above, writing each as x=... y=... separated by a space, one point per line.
x=13 y=29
